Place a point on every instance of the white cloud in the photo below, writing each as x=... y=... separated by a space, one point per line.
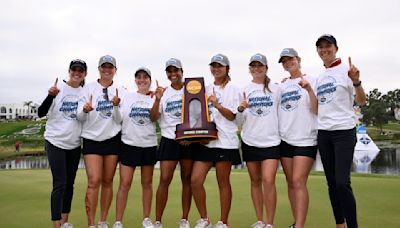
x=39 y=38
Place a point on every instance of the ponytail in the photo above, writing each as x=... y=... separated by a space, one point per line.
x=267 y=80
x=227 y=78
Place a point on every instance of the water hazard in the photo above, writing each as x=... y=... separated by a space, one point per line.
x=387 y=162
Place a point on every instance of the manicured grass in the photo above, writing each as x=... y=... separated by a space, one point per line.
x=392 y=126
x=9 y=128
x=24 y=198
x=8 y=152
x=31 y=144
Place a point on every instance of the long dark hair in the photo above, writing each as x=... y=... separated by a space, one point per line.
x=267 y=80
x=227 y=78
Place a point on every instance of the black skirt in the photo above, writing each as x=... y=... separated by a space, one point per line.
x=110 y=146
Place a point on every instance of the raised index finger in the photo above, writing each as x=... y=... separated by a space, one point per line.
x=157 y=84
x=90 y=99
x=244 y=95
x=350 y=64
x=116 y=92
x=55 y=83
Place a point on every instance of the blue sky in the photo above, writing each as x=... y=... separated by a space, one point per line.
x=38 y=39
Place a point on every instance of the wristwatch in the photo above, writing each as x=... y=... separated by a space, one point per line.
x=240 y=109
x=357 y=84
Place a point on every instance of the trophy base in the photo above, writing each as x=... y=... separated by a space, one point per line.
x=195 y=134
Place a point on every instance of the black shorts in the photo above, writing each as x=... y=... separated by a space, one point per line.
x=111 y=146
x=252 y=153
x=171 y=150
x=137 y=156
x=289 y=151
x=215 y=155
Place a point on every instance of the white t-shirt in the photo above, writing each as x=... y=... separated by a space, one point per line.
x=171 y=111
x=297 y=123
x=137 y=128
x=228 y=97
x=260 y=118
x=99 y=124
x=62 y=127
x=335 y=93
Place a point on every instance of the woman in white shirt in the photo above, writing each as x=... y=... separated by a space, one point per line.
x=260 y=138
x=222 y=152
x=298 y=131
x=167 y=109
x=139 y=146
x=336 y=87
x=101 y=138
x=62 y=139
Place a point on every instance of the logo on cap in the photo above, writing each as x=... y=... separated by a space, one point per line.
x=172 y=61
x=257 y=57
x=218 y=58
x=108 y=58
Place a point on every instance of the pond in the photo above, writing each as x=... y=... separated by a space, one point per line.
x=386 y=162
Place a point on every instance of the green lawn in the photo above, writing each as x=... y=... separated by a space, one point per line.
x=392 y=126
x=31 y=144
x=24 y=201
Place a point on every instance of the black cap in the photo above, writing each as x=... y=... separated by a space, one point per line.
x=78 y=63
x=331 y=39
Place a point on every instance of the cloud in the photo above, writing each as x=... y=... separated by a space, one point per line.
x=39 y=38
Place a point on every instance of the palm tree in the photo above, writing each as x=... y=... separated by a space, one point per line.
x=28 y=104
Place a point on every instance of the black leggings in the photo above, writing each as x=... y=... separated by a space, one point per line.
x=63 y=164
x=337 y=149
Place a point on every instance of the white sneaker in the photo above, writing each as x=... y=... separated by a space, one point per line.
x=203 y=223
x=184 y=223
x=102 y=225
x=67 y=225
x=147 y=223
x=220 y=224
x=157 y=224
x=258 y=224
x=269 y=226
x=118 y=224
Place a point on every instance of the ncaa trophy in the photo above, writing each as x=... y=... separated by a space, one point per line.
x=196 y=124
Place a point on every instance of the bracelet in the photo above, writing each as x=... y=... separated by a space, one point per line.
x=357 y=84
x=239 y=109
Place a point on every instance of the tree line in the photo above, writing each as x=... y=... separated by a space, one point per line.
x=381 y=108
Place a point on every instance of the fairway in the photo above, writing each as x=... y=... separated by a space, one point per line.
x=24 y=197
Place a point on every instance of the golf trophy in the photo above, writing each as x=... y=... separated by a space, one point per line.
x=196 y=124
